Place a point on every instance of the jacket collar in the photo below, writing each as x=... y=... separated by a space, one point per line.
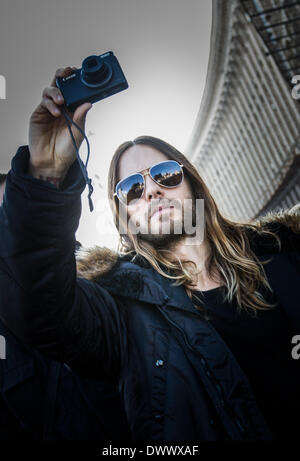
x=132 y=281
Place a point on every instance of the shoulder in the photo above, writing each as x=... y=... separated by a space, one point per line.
x=120 y=275
x=98 y=262
x=95 y=261
x=285 y=224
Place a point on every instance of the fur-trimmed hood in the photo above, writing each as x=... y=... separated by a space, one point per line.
x=95 y=262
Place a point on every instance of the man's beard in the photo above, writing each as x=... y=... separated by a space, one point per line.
x=164 y=240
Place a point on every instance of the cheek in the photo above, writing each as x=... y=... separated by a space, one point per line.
x=188 y=194
x=188 y=190
x=135 y=213
x=183 y=192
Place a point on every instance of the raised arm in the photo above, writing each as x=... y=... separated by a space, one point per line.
x=41 y=300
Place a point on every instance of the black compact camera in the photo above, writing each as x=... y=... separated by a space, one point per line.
x=100 y=77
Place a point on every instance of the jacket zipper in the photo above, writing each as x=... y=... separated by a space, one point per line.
x=236 y=420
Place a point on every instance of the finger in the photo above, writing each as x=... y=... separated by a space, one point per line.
x=79 y=117
x=51 y=107
x=61 y=72
x=53 y=93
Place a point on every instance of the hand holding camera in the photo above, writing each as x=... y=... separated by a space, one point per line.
x=53 y=142
x=50 y=145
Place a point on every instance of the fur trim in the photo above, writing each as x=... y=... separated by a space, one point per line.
x=97 y=261
x=289 y=218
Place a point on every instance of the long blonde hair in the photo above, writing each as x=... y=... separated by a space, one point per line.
x=230 y=253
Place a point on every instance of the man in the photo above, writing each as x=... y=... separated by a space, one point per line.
x=182 y=376
x=41 y=399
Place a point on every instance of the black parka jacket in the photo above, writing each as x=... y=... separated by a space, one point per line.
x=123 y=321
x=42 y=399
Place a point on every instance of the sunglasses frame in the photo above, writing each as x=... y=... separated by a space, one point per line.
x=148 y=172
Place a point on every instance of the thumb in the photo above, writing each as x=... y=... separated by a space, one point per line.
x=80 y=114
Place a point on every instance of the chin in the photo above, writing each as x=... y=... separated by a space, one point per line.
x=160 y=241
x=162 y=232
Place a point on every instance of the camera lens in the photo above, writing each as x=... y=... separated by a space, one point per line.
x=95 y=71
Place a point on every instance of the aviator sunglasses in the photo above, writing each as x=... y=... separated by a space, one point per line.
x=167 y=174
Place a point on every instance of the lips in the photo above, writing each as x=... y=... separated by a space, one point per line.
x=160 y=208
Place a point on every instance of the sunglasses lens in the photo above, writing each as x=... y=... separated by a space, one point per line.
x=168 y=174
x=130 y=188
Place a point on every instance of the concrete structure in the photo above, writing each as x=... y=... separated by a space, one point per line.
x=246 y=139
x=278 y=23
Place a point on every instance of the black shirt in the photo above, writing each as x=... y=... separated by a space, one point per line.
x=262 y=347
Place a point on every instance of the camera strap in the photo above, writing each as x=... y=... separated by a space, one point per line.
x=81 y=164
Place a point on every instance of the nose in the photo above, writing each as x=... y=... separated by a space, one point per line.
x=152 y=189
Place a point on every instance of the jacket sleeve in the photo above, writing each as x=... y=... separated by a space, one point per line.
x=284 y=268
x=287 y=227
x=289 y=234
x=43 y=302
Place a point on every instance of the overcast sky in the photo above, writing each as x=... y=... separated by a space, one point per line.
x=163 y=49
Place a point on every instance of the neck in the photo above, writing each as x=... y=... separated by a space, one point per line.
x=198 y=253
